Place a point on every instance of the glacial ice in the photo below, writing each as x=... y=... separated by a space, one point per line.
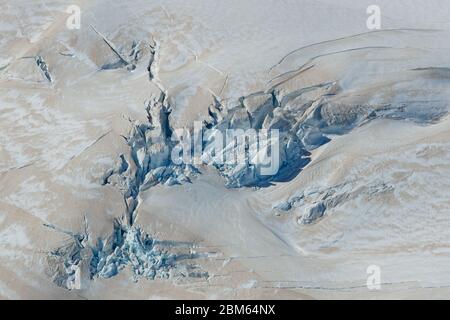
x=130 y=246
x=127 y=246
x=65 y=262
x=312 y=204
x=150 y=149
x=130 y=61
x=306 y=118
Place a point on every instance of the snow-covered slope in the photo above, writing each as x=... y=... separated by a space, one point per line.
x=89 y=201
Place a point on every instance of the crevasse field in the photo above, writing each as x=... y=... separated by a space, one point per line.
x=93 y=205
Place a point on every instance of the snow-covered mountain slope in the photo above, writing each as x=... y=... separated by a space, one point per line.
x=90 y=202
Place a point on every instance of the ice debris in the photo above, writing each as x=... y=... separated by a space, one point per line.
x=130 y=246
x=44 y=68
x=304 y=119
x=81 y=259
x=136 y=52
x=65 y=262
x=314 y=203
x=150 y=154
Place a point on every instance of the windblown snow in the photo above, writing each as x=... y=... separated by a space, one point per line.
x=94 y=205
